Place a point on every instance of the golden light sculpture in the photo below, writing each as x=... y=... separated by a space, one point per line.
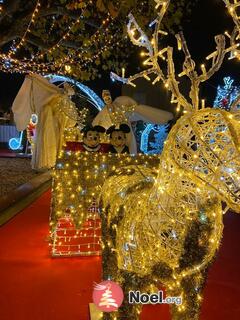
x=78 y=178
x=167 y=231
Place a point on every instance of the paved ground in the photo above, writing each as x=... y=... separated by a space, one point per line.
x=13 y=173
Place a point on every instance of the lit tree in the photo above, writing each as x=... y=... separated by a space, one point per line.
x=77 y=37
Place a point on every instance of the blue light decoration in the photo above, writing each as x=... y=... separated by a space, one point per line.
x=60 y=165
x=16 y=143
x=94 y=99
x=226 y=94
x=159 y=133
x=7 y=63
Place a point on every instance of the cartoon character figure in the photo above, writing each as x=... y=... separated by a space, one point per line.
x=118 y=139
x=91 y=140
x=124 y=109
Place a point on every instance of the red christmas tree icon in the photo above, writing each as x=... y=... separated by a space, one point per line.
x=107 y=299
x=107 y=296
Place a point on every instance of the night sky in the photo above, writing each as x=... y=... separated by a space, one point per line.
x=208 y=18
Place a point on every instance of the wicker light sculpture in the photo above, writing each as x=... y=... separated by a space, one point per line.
x=167 y=230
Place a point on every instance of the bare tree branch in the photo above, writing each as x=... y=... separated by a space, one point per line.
x=61 y=11
x=9 y=7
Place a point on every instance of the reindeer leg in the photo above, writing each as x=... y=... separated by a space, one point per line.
x=130 y=282
x=190 y=290
x=109 y=257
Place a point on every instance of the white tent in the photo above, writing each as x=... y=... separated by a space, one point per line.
x=48 y=102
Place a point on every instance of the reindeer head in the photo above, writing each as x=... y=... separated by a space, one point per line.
x=205 y=145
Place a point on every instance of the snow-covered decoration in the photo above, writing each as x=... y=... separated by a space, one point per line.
x=157 y=133
x=226 y=94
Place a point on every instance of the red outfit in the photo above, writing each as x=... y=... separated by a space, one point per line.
x=79 y=146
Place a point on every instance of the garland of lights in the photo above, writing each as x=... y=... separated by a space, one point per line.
x=23 y=40
x=11 y=64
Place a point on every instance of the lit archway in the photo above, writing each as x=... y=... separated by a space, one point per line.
x=92 y=97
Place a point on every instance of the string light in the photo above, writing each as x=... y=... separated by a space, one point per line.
x=14 y=49
x=233 y=9
x=25 y=65
x=81 y=56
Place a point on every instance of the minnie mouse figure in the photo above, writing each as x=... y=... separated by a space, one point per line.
x=118 y=139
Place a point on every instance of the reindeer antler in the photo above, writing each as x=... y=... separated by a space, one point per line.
x=232 y=7
x=235 y=36
x=155 y=53
x=189 y=66
x=139 y=38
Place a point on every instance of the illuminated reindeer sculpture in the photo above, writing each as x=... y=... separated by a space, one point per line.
x=166 y=229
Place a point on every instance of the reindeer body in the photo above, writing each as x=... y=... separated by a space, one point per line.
x=169 y=227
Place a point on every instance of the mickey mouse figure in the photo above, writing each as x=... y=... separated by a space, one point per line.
x=118 y=139
x=91 y=139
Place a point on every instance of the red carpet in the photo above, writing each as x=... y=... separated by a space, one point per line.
x=35 y=286
x=7 y=153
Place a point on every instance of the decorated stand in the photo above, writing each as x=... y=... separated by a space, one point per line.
x=77 y=180
x=81 y=170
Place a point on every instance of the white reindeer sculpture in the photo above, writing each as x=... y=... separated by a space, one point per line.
x=166 y=229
